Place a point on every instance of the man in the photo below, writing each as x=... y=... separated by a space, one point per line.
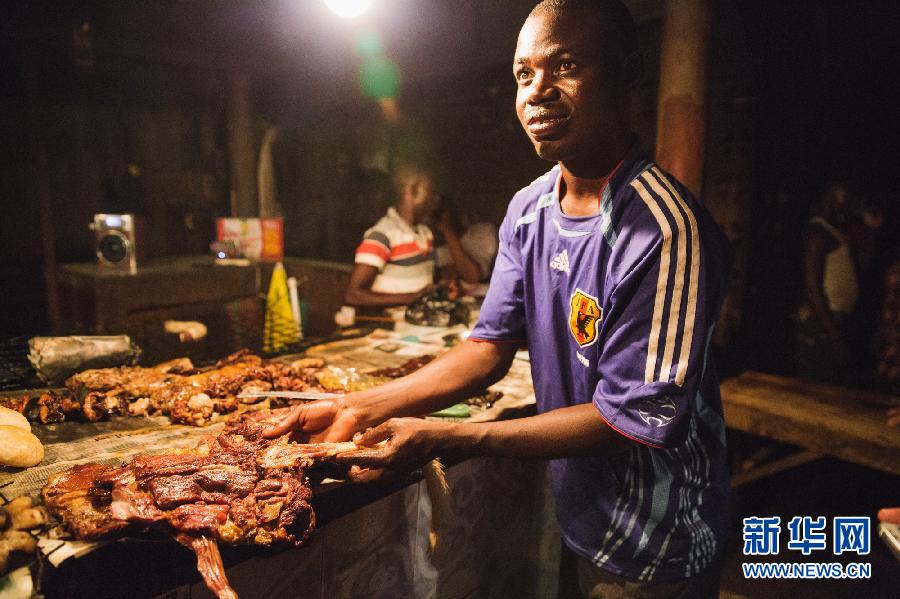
x=831 y=291
x=613 y=275
x=394 y=263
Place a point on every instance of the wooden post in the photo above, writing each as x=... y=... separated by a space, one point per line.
x=681 y=115
x=241 y=145
x=40 y=174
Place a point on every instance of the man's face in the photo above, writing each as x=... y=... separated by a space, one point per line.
x=567 y=98
x=422 y=195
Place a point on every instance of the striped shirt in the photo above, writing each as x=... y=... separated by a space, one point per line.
x=618 y=310
x=402 y=253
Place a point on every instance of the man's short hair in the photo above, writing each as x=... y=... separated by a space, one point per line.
x=612 y=15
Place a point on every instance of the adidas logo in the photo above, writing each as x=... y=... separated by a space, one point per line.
x=561 y=262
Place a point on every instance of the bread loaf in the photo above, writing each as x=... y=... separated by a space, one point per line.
x=19 y=448
x=13 y=418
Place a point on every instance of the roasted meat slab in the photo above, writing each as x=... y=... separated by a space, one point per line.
x=236 y=488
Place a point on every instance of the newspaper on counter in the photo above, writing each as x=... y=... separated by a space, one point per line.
x=57 y=358
x=154 y=435
x=109 y=443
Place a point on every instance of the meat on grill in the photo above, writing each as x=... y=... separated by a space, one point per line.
x=173 y=388
x=236 y=488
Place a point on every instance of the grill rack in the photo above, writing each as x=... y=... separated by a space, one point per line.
x=15 y=369
x=231 y=326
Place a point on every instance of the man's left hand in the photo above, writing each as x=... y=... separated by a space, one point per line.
x=408 y=444
x=443 y=223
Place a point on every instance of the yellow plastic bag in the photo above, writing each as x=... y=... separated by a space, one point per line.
x=280 y=329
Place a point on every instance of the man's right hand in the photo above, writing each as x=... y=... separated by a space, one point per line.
x=324 y=421
x=457 y=374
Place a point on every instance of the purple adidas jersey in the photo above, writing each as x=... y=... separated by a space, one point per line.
x=618 y=309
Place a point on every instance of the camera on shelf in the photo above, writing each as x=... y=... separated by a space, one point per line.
x=116 y=238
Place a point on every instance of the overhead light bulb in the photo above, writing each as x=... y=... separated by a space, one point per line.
x=348 y=9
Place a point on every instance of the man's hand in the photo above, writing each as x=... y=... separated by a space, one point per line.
x=443 y=224
x=459 y=373
x=324 y=421
x=408 y=444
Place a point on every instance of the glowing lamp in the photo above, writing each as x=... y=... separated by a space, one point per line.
x=348 y=9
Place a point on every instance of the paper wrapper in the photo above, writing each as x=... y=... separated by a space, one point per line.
x=57 y=358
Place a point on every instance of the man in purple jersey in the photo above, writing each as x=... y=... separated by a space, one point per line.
x=613 y=275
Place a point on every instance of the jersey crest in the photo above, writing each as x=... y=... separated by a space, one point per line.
x=585 y=314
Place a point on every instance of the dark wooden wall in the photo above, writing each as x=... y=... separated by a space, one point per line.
x=139 y=121
x=793 y=94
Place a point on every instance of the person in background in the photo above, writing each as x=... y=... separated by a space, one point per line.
x=831 y=290
x=468 y=256
x=865 y=232
x=394 y=263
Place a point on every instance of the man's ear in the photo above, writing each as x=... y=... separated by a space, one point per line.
x=633 y=70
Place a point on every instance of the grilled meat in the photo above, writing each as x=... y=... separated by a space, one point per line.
x=237 y=488
x=72 y=496
x=174 y=388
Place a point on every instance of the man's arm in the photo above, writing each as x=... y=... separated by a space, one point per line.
x=359 y=291
x=566 y=432
x=461 y=372
x=466 y=369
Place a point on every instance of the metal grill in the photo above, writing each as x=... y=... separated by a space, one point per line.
x=230 y=327
x=15 y=370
